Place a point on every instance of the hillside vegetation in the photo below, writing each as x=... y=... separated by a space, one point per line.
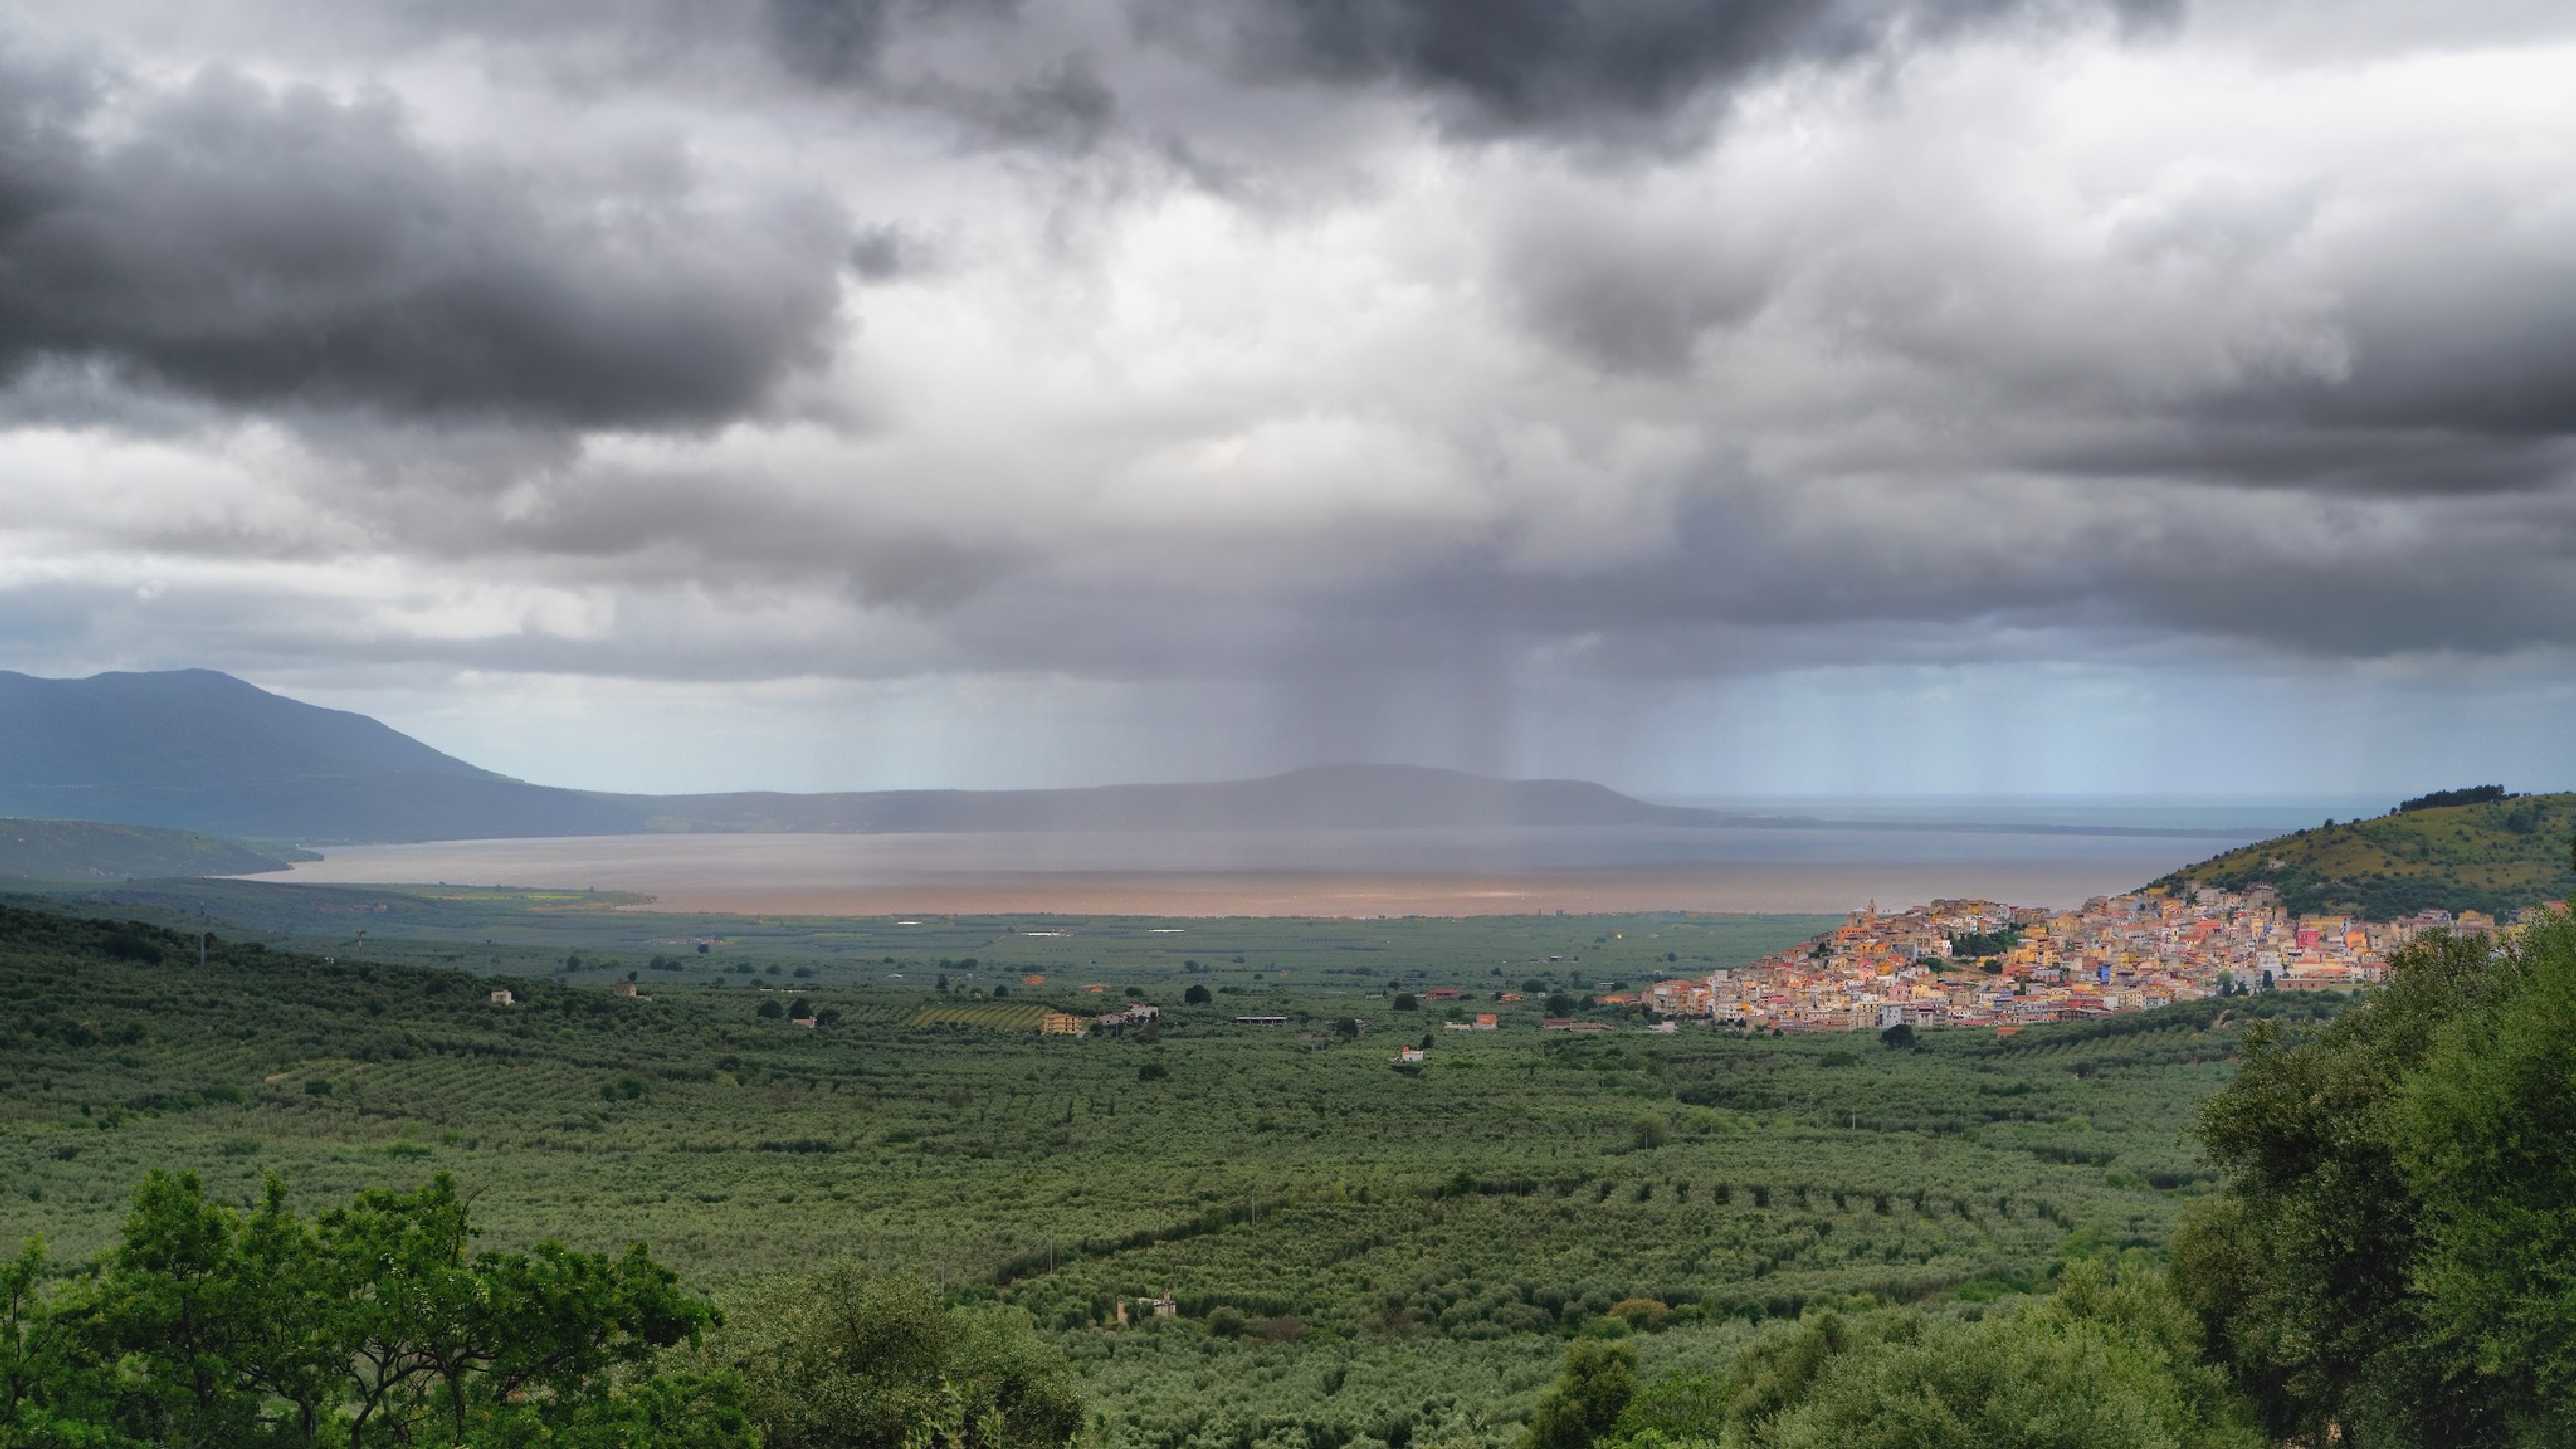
x=2496 y=856
x=1768 y=1243
x=81 y=850
x=1355 y=1255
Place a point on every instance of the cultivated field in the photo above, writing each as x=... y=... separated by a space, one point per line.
x=1354 y=1252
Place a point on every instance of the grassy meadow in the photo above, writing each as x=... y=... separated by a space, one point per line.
x=1355 y=1253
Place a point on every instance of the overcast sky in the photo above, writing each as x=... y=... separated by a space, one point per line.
x=1875 y=395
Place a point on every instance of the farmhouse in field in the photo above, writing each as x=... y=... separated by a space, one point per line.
x=1412 y=1056
x=502 y=998
x=1062 y=1023
x=625 y=989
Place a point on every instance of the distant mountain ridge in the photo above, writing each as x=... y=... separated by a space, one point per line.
x=194 y=749
x=204 y=751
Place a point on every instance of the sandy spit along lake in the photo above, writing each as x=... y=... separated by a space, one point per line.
x=1300 y=872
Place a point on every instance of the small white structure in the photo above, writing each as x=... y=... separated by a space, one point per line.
x=502 y=998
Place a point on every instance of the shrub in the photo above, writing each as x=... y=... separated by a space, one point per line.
x=1644 y=1314
x=846 y=1359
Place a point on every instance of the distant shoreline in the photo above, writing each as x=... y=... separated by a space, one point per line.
x=1245 y=876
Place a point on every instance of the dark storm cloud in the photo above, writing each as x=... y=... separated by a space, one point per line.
x=882 y=253
x=1504 y=348
x=2275 y=442
x=1065 y=106
x=838 y=41
x=1628 y=299
x=262 y=247
x=1594 y=66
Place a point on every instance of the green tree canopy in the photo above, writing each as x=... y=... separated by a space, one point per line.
x=2110 y=1360
x=2395 y=1251
x=372 y=1324
x=1589 y=1394
x=851 y=1359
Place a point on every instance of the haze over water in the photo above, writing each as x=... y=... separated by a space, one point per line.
x=2024 y=852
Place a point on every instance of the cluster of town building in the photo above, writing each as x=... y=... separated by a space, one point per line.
x=1981 y=964
x=1976 y=963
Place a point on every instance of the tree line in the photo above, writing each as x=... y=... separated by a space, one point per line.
x=377 y=1323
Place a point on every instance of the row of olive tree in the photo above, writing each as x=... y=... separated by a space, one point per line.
x=374 y=1324
x=2391 y=1262
x=2109 y=1360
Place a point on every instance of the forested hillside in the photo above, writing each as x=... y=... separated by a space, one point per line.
x=80 y=850
x=2495 y=855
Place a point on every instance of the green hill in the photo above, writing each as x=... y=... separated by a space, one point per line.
x=84 y=850
x=2497 y=856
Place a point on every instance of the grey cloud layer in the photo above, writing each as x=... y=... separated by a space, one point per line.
x=1502 y=66
x=1655 y=340
x=265 y=247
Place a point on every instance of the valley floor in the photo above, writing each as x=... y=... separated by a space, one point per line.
x=1352 y=1251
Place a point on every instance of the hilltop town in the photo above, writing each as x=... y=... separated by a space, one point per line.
x=1982 y=964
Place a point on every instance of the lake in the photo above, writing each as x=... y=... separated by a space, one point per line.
x=1481 y=871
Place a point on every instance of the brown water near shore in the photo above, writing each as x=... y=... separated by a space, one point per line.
x=1291 y=874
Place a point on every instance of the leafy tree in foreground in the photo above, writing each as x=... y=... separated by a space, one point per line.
x=851 y=1360
x=369 y=1325
x=2487 y=1137
x=1587 y=1398
x=2394 y=1258
x=2109 y=1361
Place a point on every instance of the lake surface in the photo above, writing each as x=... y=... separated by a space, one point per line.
x=1308 y=872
